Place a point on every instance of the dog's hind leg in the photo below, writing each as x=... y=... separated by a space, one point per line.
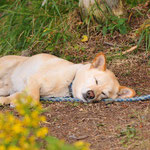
x=32 y=89
x=10 y=99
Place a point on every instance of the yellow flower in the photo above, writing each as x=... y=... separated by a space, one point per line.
x=25 y=145
x=17 y=128
x=27 y=120
x=21 y=111
x=13 y=148
x=35 y=114
x=11 y=118
x=84 y=38
x=2 y=147
x=45 y=30
x=8 y=139
x=42 y=118
x=82 y=145
x=42 y=132
x=2 y=135
x=22 y=140
x=32 y=139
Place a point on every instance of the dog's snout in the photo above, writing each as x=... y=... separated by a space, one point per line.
x=90 y=94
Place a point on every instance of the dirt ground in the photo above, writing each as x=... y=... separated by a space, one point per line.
x=108 y=126
x=112 y=126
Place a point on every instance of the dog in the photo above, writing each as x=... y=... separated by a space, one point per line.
x=45 y=75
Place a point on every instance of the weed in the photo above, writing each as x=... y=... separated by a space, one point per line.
x=115 y=24
x=134 y=3
x=128 y=134
x=127 y=73
x=149 y=62
x=100 y=125
x=25 y=132
x=144 y=34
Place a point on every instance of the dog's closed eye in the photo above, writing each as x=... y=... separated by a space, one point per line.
x=104 y=95
x=96 y=81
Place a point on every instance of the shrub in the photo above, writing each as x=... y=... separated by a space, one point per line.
x=25 y=132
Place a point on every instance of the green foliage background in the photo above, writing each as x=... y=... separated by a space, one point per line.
x=28 y=24
x=23 y=22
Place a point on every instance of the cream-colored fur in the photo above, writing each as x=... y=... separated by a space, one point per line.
x=47 y=75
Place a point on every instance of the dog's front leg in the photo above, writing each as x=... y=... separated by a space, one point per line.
x=33 y=88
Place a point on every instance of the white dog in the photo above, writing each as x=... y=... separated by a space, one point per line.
x=49 y=76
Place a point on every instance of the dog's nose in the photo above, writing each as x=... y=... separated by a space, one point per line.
x=90 y=94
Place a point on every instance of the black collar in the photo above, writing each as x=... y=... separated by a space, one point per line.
x=70 y=90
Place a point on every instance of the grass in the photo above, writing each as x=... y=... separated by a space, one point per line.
x=48 y=27
x=134 y=3
x=144 y=32
x=113 y=24
x=128 y=133
x=28 y=24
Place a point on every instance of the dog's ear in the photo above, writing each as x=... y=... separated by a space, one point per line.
x=99 y=62
x=125 y=92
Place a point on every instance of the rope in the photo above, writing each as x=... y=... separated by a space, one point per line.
x=71 y=99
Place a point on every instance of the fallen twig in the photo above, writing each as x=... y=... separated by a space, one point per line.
x=127 y=51
x=130 y=50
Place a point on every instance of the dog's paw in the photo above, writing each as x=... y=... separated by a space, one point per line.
x=4 y=101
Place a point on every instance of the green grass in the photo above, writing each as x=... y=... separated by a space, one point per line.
x=28 y=24
x=128 y=135
x=144 y=35
x=134 y=3
x=115 y=24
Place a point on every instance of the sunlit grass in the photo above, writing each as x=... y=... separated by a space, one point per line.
x=24 y=24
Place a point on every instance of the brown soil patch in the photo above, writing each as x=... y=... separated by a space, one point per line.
x=102 y=124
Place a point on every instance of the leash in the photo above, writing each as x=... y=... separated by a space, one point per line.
x=71 y=99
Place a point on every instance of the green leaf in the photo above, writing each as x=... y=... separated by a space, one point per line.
x=104 y=30
x=123 y=29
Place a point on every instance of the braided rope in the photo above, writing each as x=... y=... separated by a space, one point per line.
x=71 y=99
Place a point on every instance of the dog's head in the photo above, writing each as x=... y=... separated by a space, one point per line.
x=94 y=82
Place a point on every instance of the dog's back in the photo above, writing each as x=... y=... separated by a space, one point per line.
x=15 y=71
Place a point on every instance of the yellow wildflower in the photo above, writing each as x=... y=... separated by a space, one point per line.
x=17 y=128
x=27 y=120
x=82 y=145
x=13 y=148
x=45 y=30
x=42 y=132
x=2 y=147
x=2 y=135
x=22 y=140
x=35 y=114
x=25 y=145
x=42 y=118
x=32 y=139
x=8 y=139
x=11 y=118
x=84 y=38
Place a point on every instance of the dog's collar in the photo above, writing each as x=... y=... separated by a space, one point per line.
x=70 y=87
x=70 y=90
